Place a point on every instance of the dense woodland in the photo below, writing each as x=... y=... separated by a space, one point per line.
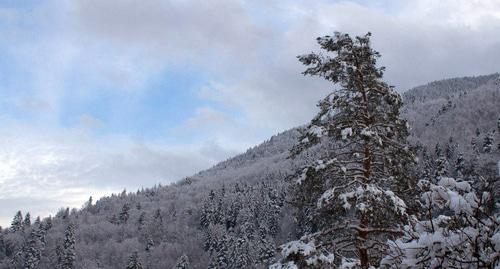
x=375 y=180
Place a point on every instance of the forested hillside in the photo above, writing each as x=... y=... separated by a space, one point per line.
x=236 y=214
x=460 y=109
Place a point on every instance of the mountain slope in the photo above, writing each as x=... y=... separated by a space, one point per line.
x=453 y=108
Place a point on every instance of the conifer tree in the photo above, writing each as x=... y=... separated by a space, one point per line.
x=68 y=250
x=438 y=151
x=441 y=167
x=141 y=221
x=47 y=223
x=27 y=220
x=473 y=143
x=352 y=196
x=124 y=214
x=149 y=244
x=38 y=221
x=134 y=262
x=17 y=222
x=460 y=165
x=458 y=230
x=158 y=217
x=450 y=149
x=183 y=262
x=488 y=142
x=32 y=251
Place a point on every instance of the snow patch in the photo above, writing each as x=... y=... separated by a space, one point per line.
x=346 y=132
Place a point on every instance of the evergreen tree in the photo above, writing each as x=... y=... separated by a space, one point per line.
x=27 y=220
x=68 y=251
x=134 y=262
x=3 y=247
x=441 y=167
x=38 y=221
x=488 y=142
x=183 y=262
x=32 y=251
x=222 y=257
x=158 y=217
x=149 y=244
x=460 y=165
x=17 y=222
x=458 y=232
x=352 y=195
x=450 y=149
x=88 y=204
x=438 y=151
x=141 y=221
x=124 y=214
x=266 y=251
x=47 y=223
x=473 y=143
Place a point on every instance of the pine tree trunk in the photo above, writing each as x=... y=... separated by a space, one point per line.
x=363 y=258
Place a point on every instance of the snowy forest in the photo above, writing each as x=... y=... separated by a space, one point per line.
x=377 y=179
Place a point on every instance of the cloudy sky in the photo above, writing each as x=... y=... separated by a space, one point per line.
x=97 y=96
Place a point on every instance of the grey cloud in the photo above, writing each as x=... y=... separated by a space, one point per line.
x=423 y=43
x=193 y=30
x=251 y=46
x=419 y=43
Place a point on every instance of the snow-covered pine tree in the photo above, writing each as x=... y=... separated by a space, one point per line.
x=221 y=259
x=38 y=221
x=441 y=167
x=32 y=251
x=17 y=222
x=438 y=150
x=457 y=231
x=351 y=197
x=183 y=262
x=47 y=223
x=27 y=220
x=68 y=250
x=473 y=143
x=124 y=214
x=460 y=165
x=488 y=142
x=134 y=261
x=2 y=245
x=450 y=149
x=150 y=243
x=141 y=221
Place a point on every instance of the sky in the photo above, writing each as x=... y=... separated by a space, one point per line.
x=97 y=96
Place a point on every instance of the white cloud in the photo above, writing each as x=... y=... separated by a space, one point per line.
x=63 y=167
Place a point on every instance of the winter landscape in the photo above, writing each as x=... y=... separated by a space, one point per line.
x=245 y=134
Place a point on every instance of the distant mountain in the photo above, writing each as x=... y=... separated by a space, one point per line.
x=455 y=108
x=242 y=195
